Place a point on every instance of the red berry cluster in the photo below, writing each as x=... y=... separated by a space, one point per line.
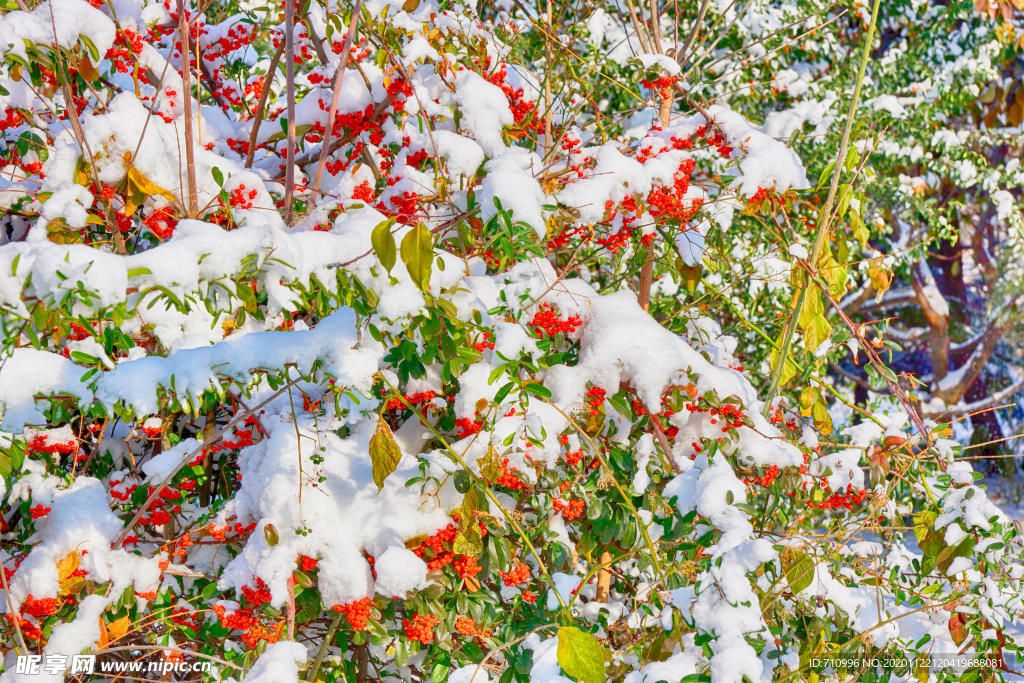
x=420 y=627
x=570 y=509
x=509 y=477
x=518 y=574
x=242 y=199
x=466 y=566
x=40 y=444
x=546 y=322
x=39 y=511
x=467 y=627
x=357 y=612
x=766 y=479
x=672 y=205
x=421 y=397
x=663 y=85
x=595 y=399
x=436 y=550
x=258 y=595
x=485 y=343
x=42 y=607
x=363 y=192
x=468 y=427
x=841 y=500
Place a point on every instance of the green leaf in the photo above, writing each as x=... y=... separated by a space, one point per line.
x=845 y=195
x=930 y=540
x=537 y=389
x=418 y=255
x=581 y=655
x=798 y=568
x=384 y=244
x=218 y=176
x=503 y=392
x=826 y=173
x=852 y=159
x=384 y=453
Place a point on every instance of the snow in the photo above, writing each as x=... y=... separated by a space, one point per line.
x=484 y=110
x=27 y=373
x=399 y=571
x=1004 y=204
x=621 y=343
x=766 y=163
x=69 y=20
x=463 y=155
x=341 y=516
x=510 y=180
x=798 y=251
x=279 y=663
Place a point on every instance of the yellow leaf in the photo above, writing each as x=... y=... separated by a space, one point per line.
x=881 y=277
x=118 y=628
x=67 y=582
x=132 y=204
x=145 y=186
x=68 y=565
x=489 y=464
x=81 y=177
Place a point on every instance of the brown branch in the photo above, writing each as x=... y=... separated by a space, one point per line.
x=926 y=290
x=186 y=86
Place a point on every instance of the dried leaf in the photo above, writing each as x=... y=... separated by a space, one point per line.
x=489 y=464
x=958 y=627
x=384 y=453
x=87 y=70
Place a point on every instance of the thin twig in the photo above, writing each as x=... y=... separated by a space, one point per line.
x=825 y=217
x=261 y=107
x=191 y=456
x=324 y=644
x=289 y=74
x=339 y=78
